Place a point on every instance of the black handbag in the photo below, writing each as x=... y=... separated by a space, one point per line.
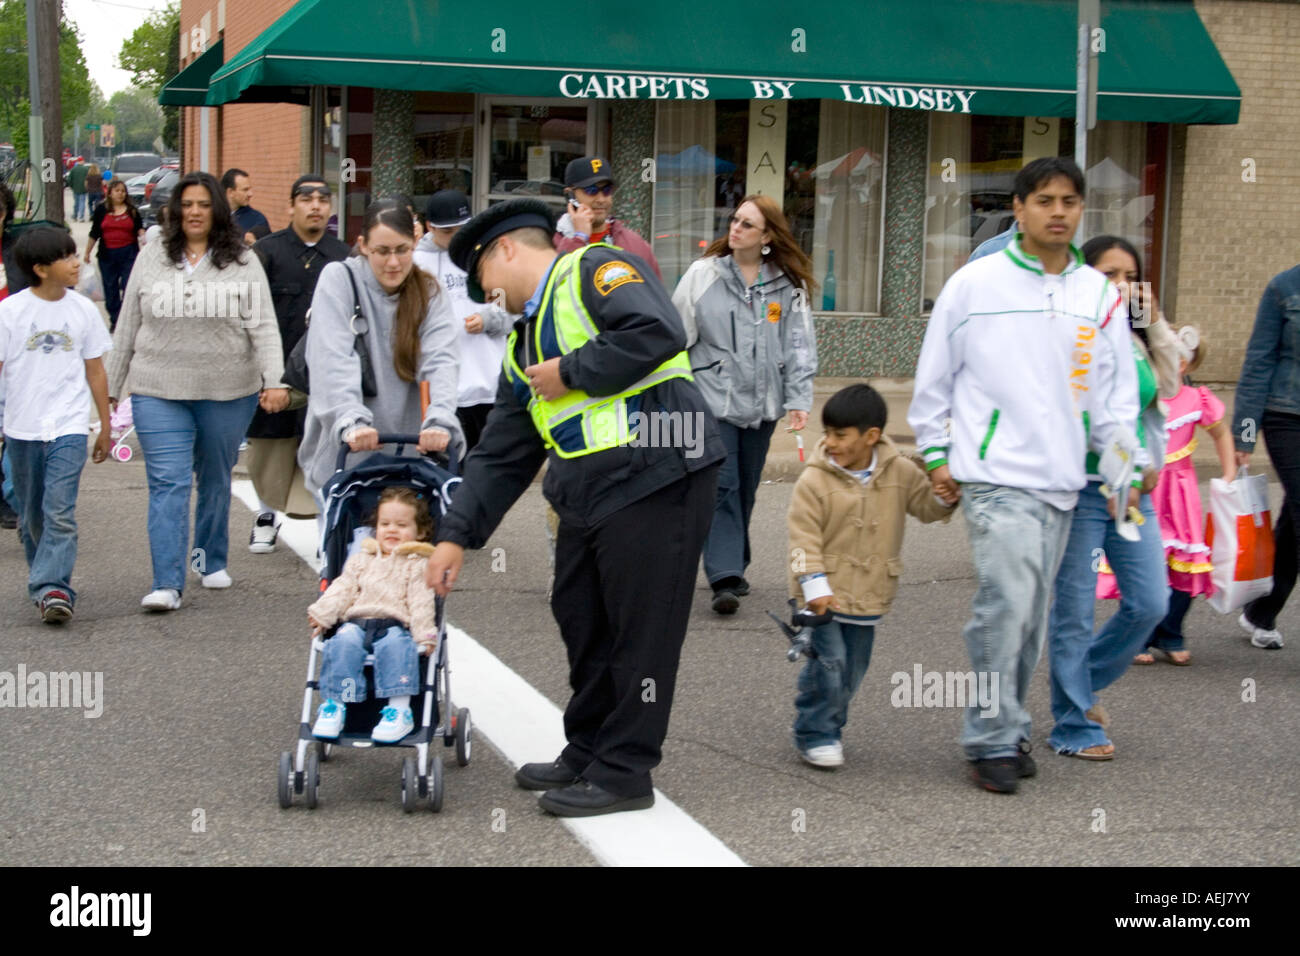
x=295 y=367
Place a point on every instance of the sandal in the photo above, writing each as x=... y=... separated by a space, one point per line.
x=1097 y=752
x=1143 y=658
x=1169 y=658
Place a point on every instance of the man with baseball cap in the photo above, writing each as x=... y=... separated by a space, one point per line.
x=481 y=329
x=589 y=185
x=596 y=384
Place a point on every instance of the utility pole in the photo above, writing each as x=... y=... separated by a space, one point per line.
x=46 y=122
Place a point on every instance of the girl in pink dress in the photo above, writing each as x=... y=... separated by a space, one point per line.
x=1177 y=502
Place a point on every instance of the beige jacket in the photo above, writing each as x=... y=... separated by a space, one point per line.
x=376 y=585
x=854 y=532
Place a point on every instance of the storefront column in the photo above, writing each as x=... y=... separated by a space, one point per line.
x=394 y=143
x=904 y=239
x=632 y=142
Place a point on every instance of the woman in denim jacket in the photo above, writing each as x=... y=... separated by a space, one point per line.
x=1268 y=401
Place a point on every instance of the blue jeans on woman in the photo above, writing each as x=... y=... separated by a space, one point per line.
x=46 y=476
x=183 y=441
x=828 y=682
x=1084 y=662
x=726 y=550
x=115 y=268
x=342 y=669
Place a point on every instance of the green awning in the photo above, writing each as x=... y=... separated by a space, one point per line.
x=189 y=87
x=999 y=57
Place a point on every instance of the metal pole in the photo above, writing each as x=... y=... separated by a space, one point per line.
x=1081 y=95
x=35 y=124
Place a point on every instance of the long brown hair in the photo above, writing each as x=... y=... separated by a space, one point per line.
x=128 y=207
x=785 y=255
x=414 y=294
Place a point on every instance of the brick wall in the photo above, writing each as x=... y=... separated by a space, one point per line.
x=1234 y=236
x=269 y=140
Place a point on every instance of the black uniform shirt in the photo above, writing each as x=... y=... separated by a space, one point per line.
x=638 y=329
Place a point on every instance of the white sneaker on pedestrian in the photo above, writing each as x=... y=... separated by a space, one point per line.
x=1269 y=640
x=394 y=724
x=217 y=579
x=829 y=755
x=163 y=599
x=329 y=720
x=265 y=531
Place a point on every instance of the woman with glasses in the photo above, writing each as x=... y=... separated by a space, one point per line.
x=410 y=333
x=198 y=347
x=753 y=350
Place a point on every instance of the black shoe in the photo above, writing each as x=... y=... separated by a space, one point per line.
x=999 y=774
x=8 y=517
x=55 y=607
x=725 y=602
x=1025 y=765
x=585 y=799
x=741 y=588
x=545 y=776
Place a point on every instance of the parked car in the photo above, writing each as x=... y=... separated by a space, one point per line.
x=155 y=177
x=129 y=165
x=161 y=192
x=135 y=189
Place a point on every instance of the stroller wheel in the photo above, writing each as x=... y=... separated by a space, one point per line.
x=313 y=780
x=285 y=776
x=410 y=785
x=324 y=750
x=463 y=742
x=122 y=452
x=435 y=782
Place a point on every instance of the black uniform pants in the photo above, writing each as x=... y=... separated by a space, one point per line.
x=622 y=598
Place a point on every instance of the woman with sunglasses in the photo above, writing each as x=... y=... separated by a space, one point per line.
x=410 y=331
x=753 y=350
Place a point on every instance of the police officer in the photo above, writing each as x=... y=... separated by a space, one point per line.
x=596 y=383
x=293 y=259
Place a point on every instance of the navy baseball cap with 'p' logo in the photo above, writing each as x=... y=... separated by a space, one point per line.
x=587 y=171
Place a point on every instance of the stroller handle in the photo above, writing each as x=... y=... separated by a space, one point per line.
x=400 y=440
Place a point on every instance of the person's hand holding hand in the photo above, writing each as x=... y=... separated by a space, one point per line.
x=363 y=438
x=1150 y=478
x=545 y=379
x=943 y=485
x=444 y=567
x=474 y=324
x=434 y=439
x=103 y=445
x=273 y=399
x=798 y=419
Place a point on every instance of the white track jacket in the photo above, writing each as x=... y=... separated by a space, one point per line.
x=1022 y=372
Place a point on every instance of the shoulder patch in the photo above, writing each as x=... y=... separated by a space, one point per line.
x=613 y=274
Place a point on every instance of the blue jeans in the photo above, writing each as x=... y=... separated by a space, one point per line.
x=7 y=485
x=342 y=669
x=182 y=441
x=46 y=476
x=78 y=205
x=1083 y=662
x=828 y=682
x=115 y=268
x=726 y=550
x=1016 y=545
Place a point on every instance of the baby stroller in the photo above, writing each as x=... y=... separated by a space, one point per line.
x=350 y=495
x=121 y=423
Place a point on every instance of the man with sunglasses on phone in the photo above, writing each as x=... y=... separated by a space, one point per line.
x=589 y=190
x=293 y=259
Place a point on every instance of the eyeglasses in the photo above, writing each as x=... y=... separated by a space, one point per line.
x=383 y=252
x=316 y=192
x=605 y=190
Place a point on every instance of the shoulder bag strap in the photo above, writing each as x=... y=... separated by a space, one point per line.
x=359 y=326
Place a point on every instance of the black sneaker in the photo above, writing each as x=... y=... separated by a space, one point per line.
x=725 y=601
x=1026 y=767
x=741 y=588
x=8 y=517
x=999 y=774
x=265 y=531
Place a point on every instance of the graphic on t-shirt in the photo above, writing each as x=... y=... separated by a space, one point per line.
x=49 y=340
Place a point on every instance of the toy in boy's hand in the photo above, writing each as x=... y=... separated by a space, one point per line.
x=801 y=639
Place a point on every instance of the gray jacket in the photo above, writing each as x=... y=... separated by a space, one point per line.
x=753 y=358
x=336 y=403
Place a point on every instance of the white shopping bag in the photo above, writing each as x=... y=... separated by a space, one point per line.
x=1239 y=531
x=89 y=283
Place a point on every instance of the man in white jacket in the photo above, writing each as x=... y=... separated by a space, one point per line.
x=1026 y=364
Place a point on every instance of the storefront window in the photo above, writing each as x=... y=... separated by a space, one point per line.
x=360 y=139
x=972 y=168
x=444 y=144
x=328 y=112
x=531 y=145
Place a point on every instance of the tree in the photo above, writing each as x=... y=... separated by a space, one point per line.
x=96 y=111
x=152 y=54
x=138 y=117
x=15 y=97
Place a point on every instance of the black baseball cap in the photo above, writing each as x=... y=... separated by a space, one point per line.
x=447 y=208
x=468 y=244
x=587 y=171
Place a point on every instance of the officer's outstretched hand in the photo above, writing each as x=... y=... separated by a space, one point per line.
x=545 y=379
x=444 y=567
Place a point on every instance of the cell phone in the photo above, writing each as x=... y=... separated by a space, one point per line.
x=573 y=203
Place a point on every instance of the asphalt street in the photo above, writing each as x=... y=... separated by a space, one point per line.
x=197 y=705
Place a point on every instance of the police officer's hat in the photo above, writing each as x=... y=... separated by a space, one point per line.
x=468 y=244
x=587 y=171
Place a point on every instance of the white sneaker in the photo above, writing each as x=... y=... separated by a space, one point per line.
x=217 y=579
x=265 y=531
x=329 y=720
x=1269 y=640
x=829 y=755
x=163 y=599
x=393 y=725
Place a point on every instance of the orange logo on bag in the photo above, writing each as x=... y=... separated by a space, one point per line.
x=774 y=312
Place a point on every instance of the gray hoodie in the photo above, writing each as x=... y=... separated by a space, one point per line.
x=336 y=403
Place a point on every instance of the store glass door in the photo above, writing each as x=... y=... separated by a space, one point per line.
x=528 y=144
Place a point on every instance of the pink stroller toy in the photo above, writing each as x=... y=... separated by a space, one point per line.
x=121 y=423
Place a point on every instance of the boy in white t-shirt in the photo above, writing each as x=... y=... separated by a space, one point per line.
x=51 y=343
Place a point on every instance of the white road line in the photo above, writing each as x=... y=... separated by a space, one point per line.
x=525 y=726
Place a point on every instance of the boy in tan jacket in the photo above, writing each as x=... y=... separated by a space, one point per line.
x=846 y=534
